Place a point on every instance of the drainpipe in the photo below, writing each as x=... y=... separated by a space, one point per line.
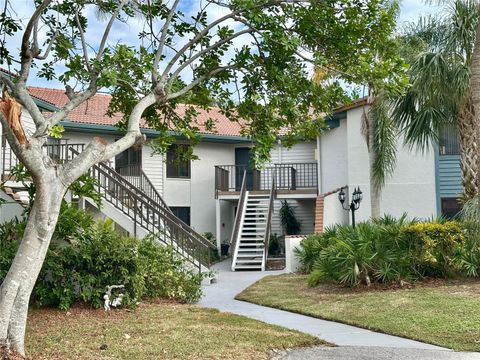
x=319 y=164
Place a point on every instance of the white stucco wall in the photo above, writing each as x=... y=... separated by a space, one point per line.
x=198 y=192
x=333 y=212
x=10 y=209
x=334 y=158
x=344 y=156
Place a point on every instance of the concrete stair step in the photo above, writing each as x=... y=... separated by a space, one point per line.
x=250 y=261
x=248 y=267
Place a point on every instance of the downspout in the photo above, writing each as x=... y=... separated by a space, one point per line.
x=319 y=164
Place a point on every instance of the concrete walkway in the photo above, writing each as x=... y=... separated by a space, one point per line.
x=369 y=353
x=221 y=295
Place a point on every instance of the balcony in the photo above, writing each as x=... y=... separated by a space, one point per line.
x=291 y=180
x=58 y=152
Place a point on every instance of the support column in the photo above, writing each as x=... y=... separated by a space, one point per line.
x=218 y=224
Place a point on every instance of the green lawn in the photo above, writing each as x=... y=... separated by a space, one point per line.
x=442 y=313
x=155 y=331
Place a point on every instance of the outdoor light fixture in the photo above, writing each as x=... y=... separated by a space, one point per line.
x=357 y=197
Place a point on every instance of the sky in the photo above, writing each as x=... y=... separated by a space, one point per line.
x=411 y=10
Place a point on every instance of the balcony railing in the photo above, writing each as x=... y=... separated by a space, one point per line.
x=288 y=177
x=58 y=152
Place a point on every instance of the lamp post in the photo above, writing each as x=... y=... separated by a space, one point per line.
x=357 y=197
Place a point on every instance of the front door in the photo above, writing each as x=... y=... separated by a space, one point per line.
x=242 y=163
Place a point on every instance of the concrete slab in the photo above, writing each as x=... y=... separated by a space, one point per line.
x=372 y=353
x=221 y=296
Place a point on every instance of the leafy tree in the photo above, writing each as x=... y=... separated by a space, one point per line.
x=252 y=60
x=288 y=219
x=445 y=84
x=384 y=76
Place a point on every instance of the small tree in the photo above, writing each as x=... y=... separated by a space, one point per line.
x=289 y=221
x=251 y=60
x=445 y=85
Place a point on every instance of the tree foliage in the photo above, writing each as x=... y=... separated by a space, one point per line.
x=250 y=58
x=253 y=63
x=440 y=93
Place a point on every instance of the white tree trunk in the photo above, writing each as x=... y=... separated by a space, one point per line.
x=375 y=191
x=17 y=286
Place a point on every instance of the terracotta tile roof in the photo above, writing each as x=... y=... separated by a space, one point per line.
x=352 y=105
x=94 y=111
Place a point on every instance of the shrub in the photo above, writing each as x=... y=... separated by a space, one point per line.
x=166 y=275
x=276 y=245
x=388 y=250
x=96 y=257
x=289 y=220
x=213 y=255
x=434 y=247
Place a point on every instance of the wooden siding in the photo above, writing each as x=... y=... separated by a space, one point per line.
x=303 y=152
x=304 y=211
x=449 y=176
x=153 y=167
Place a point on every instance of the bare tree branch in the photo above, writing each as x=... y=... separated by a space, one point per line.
x=195 y=40
x=82 y=40
x=26 y=51
x=98 y=150
x=23 y=152
x=199 y=80
x=163 y=37
x=49 y=47
x=208 y=49
x=103 y=43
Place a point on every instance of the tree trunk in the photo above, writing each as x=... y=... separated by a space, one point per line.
x=471 y=129
x=469 y=157
x=369 y=132
x=17 y=286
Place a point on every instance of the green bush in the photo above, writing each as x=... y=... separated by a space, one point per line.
x=213 y=255
x=388 y=250
x=95 y=257
x=435 y=246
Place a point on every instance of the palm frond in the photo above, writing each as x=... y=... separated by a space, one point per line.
x=384 y=146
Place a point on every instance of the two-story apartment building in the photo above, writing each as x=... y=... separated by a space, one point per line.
x=221 y=193
x=423 y=184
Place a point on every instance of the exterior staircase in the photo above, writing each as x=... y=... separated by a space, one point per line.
x=149 y=215
x=251 y=233
x=131 y=201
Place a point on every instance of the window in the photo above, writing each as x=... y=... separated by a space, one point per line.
x=183 y=213
x=448 y=140
x=54 y=148
x=129 y=162
x=450 y=207
x=177 y=168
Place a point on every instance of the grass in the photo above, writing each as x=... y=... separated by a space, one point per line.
x=444 y=313
x=155 y=331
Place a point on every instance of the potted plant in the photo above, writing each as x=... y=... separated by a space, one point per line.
x=224 y=247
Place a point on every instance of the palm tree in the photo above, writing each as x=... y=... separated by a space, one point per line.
x=380 y=131
x=445 y=85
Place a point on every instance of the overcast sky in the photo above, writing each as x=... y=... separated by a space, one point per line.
x=411 y=10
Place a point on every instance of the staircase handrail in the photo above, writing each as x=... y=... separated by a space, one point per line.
x=156 y=195
x=143 y=202
x=131 y=201
x=269 y=219
x=238 y=216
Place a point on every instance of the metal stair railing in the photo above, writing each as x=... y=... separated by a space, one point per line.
x=153 y=216
x=238 y=216
x=269 y=221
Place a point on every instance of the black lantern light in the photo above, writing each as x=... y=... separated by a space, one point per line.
x=357 y=197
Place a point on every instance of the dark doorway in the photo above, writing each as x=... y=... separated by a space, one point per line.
x=129 y=162
x=243 y=163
